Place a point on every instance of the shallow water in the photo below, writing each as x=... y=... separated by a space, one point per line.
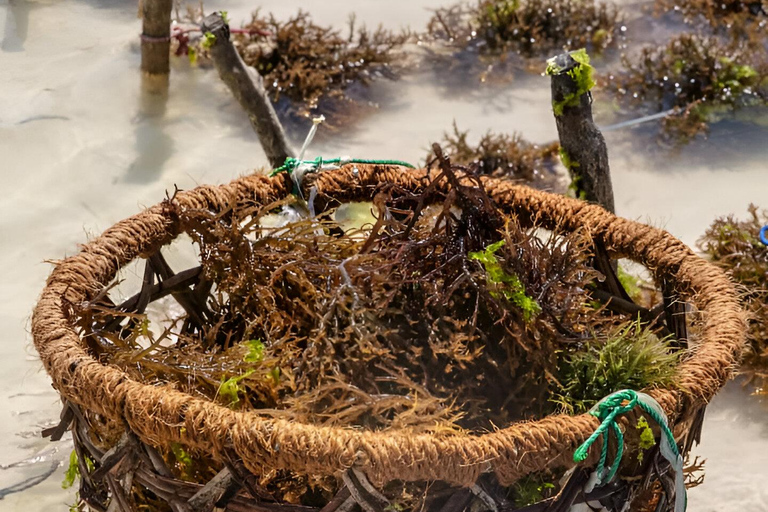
x=81 y=147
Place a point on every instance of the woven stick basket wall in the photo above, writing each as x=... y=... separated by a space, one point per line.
x=248 y=444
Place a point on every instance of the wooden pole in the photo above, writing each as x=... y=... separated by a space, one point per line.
x=248 y=88
x=156 y=36
x=582 y=146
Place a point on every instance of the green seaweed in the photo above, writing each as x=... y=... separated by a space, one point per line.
x=734 y=245
x=529 y=28
x=647 y=438
x=255 y=351
x=229 y=389
x=582 y=75
x=72 y=473
x=628 y=357
x=532 y=489
x=694 y=77
x=630 y=283
x=184 y=462
x=209 y=39
x=566 y=159
x=504 y=284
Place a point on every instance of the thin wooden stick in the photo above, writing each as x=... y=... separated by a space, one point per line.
x=619 y=305
x=363 y=492
x=338 y=500
x=177 y=504
x=675 y=313
x=113 y=457
x=458 y=501
x=147 y=283
x=57 y=432
x=247 y=87
x=177 y=283
x=204 y=499
x=119 y=500
x=195 y=311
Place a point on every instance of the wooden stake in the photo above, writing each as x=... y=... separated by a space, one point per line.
x=156 y=36
x=580 y=138
x=248 y=88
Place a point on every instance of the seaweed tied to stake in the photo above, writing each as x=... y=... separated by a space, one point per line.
x=307 y=68
x=315 y=67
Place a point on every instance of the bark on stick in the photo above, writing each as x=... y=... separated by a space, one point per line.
x=248 y=88
x=156 y=36
x=583 y=148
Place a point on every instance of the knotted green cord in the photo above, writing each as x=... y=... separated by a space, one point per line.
x=607 y=411
x=291 y=164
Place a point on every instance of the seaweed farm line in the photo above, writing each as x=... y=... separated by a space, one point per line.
x=81 y=148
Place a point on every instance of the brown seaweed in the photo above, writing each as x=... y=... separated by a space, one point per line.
x=507 y=156
x=735 y=246
x=696 y=79
x=307 y=68
x=509 y=35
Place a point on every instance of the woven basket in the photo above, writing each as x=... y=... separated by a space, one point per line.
x=155 y=416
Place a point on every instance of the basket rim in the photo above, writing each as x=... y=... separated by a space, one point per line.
x=161 y=415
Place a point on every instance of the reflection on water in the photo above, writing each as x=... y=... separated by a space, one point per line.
x=153 y=145
x=16 y=26
x=82 y=146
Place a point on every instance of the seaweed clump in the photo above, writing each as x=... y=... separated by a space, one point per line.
x=471 y=297
x=695 y=79
x=507 y=156
x=629 y=354
x=736 y=18
x=734 y=245
x=314 y=67
x=307 y=68
x=527 y=29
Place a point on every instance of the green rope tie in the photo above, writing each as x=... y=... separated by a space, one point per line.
x=291 y=164
x=607 y=411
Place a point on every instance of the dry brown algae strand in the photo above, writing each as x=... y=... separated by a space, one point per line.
x=508 y=156
x=735 y=246
x=697 y=78
x=307 y=68
x=441 y=316
x=314 y=66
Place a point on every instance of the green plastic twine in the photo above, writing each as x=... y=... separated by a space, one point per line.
x=607 y=411
x=291 y=164
x=298 y=167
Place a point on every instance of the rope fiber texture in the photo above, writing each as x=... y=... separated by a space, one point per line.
x=160 y=414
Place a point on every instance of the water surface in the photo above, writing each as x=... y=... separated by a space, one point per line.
x=81 y=147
